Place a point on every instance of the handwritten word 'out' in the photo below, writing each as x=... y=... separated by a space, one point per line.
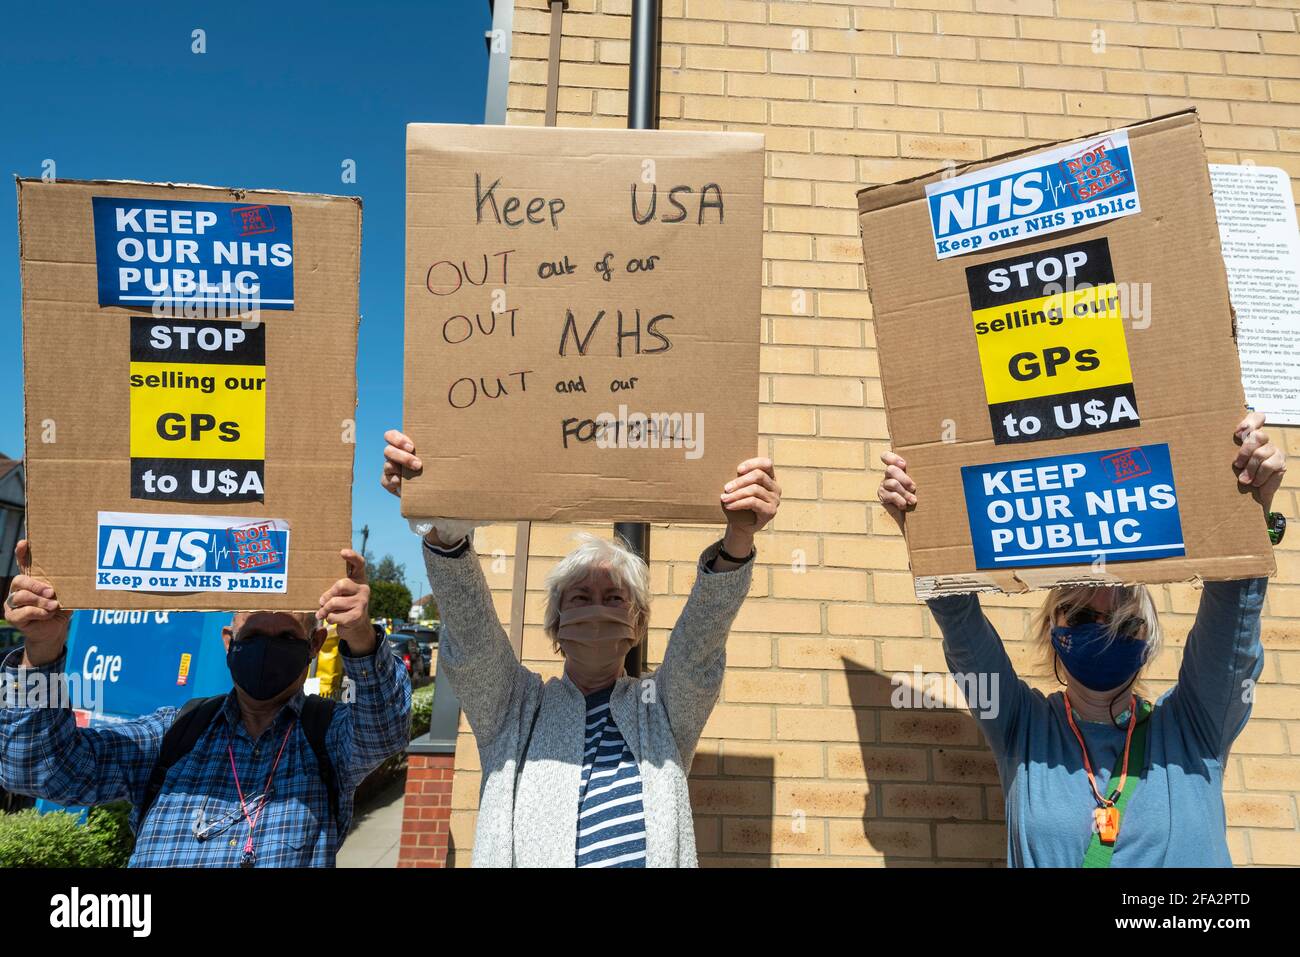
x=465 y=391
x=455 y=325
x=448 y=272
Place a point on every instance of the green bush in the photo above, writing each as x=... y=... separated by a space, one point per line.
x=421 y=710
x=31 y=839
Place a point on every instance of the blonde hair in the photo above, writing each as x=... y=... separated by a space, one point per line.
x=628 y=570
x=1131 y=601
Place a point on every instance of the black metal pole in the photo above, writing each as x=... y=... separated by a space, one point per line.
x=642 y=114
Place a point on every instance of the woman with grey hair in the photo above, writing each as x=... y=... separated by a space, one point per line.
x=589 y=769
x=1097 y=775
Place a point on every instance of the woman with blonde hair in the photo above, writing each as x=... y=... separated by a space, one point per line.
x=589 y=769
x=1097 y=774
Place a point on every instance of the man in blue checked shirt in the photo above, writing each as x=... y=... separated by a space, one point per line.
x=265 y=776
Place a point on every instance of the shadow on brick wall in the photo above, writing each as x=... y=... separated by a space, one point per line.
x=933 y=795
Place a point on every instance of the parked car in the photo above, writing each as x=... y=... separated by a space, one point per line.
x=408 y=650
x=426 y=636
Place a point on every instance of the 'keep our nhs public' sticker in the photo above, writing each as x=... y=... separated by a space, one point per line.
x=151 y=252
x=191 y=553
x=1074 y=185
x=1117 y=505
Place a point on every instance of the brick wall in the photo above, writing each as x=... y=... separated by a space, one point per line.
x=805 y=761
x=426 y=812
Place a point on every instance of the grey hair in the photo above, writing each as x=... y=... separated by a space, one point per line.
x=627 y=569
x=1131 y=601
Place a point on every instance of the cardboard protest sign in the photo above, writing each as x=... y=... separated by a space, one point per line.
x=190 y=357
x=1059 y=368
x=582 y=321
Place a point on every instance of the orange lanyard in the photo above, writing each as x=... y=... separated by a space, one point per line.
x=1087 y=764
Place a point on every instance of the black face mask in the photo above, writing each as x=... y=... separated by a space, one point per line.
x=265 y=665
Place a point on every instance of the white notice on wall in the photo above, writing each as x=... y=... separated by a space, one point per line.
x=1261 y=249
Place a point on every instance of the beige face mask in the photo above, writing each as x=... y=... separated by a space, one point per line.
x=595 y=640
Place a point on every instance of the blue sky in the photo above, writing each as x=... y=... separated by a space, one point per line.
x=284 y=94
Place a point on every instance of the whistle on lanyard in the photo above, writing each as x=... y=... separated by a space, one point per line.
x=1106 y=821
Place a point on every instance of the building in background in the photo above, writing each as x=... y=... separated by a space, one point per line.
x=806 y=761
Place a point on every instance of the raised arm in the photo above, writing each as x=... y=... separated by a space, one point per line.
x=473 y=651
x=691 y=674
x=971 y=646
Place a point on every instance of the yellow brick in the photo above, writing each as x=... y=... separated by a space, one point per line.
x=728 y=11
x=815 y=276
x=1018 y=51
x=760 y=35
x=1253 y=18
x=774 y=687
x=730 y=797
x=693 y=32
x=1025 y=8
x=1227 y=87
x=732 y=721
x=979 y=74
x=882 y=620
x=1101 y=104
x=853 y=41
x=820 y=583
x=853 y=91
x=977 y=25
x=875 y=764
x=836 y=517
x=769 y=87
x=890 y=839
x=805 y=220
x=895 y=68
x=944 y=802
x=1112 y=56
x=1161 y=84
x=897 y=118
x=821 y=798
x=940 y=147
x=810 y=14
x=1183 y=61
x=773 y=760
x=1240 y=41
x=937 y=727
x=825 y=654
x=812 y=114
x=983 y=124
x=906 y=21
x=825 y=724
x=1260 y=810
x=780 y=617
x=853 y=423
x=1022 y=101
x=936 y=47
x=795 y=166
x=1071 y=78
x=724 y=58
x=820 y=332
x=1275 y=848
x=677 y=81
x=763 y=836
x=812 y=64
x=1095 y=9
x=725 y=109
x=1182 y=13
x=1271 y=774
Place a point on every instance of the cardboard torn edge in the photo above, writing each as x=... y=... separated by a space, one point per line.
x=238 y=192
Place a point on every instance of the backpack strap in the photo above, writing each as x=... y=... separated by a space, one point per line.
x=194 y=717
x=317 y=713
x=1099 y=854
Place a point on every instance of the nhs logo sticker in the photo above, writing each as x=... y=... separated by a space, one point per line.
x=201 y=259
x=191 y=553
x=1074 y=185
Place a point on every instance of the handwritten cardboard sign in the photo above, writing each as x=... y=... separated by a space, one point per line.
x=582 y=321
x=190 y=358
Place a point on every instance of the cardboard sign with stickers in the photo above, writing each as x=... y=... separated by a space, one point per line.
x=190 y=362
x=1059 y=366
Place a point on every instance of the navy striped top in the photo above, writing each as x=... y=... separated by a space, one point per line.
x=611 y=817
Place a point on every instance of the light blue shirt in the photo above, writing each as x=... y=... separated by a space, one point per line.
x=1176 y=817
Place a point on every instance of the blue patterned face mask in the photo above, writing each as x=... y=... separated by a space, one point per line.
x=1096 y=661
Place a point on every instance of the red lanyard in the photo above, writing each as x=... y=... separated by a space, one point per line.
x=249 y=856
x=1087 y=765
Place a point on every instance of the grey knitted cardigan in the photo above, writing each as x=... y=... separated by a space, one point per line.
x=661 y=717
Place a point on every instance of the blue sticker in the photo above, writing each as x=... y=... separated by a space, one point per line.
x=1074 y=185
x=191 y=553
x=165 y=252
x=1118 y=505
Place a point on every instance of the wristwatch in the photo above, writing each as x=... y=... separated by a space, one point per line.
x=1276 y=527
